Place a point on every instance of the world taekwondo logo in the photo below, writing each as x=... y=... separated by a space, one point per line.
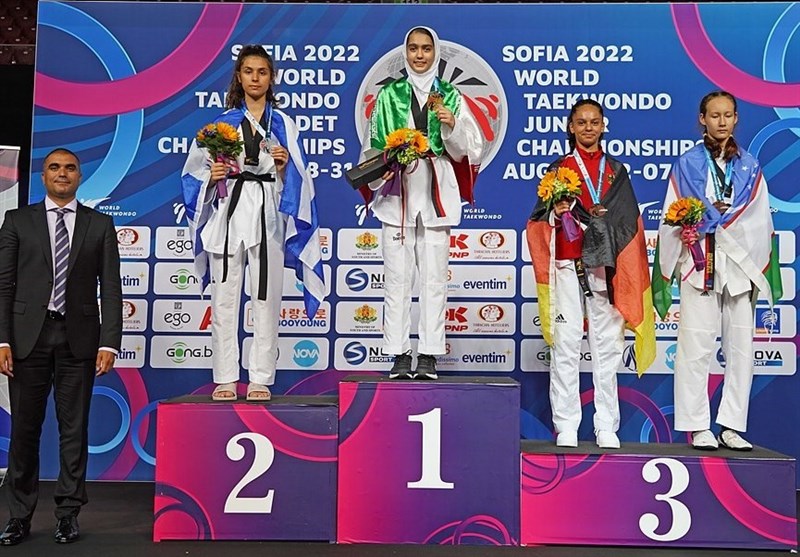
x=483 y=93
x=356 y=280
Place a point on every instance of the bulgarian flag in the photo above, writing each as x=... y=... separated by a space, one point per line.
x=614 y=241
x=744 y=232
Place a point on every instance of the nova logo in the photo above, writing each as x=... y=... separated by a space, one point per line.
x=305 y=353
x=180 y=352
x=128 y=309
x=771 y=358
x=459 y=242
x=356 y=280
x=183 y=279
x=670 y=356
x=355 y=353
x=491 y=313
x=492 y=239
x=127 y=237
x=457 y=314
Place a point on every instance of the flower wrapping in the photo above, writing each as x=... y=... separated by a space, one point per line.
x=687 y=212
x=556 y=185
x=222 y=142
x=403 y=147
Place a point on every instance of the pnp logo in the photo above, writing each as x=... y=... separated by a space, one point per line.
x=458 y=246
x=457 y=319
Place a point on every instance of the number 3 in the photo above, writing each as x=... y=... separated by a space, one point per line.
x=681 y=516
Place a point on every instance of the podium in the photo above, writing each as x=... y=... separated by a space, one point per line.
x=246 y=470
x=428 y=462
x=658 y=495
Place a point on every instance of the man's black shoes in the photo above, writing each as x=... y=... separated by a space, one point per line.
x=401 y=368
x=426 y=367
x=67 y=530
x=16 y=530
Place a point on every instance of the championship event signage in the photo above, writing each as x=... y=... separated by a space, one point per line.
x=128 y=97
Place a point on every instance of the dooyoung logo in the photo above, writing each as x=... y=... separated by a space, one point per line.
x=183 y=279
x=482 y=91
x=305 y=353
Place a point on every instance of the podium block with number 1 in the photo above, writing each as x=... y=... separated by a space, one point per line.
x=428 y=462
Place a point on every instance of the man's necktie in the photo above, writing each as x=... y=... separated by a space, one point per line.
x=61 y=261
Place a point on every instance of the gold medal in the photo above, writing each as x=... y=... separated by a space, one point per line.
x=597 y=210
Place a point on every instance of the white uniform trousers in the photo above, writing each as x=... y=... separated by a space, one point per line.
x=225 y=320
x=697 y=343
x=606 y=343
x=428 y=251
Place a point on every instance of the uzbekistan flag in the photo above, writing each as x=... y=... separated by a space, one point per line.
x=744 y=232
x=615 y=241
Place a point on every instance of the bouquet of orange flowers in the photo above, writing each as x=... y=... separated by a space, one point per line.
x=558 y=184
x=406 y=145
x=687 y=212
x=223 y=144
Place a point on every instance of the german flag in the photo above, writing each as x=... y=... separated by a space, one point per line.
x=614 y=241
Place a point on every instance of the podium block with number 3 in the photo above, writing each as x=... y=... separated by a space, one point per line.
x=428 y=462
x=659 y=495
x=239 y=471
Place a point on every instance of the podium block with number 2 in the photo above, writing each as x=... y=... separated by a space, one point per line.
x=238 y=471
x=428 y=462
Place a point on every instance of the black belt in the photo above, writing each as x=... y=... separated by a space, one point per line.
x=54 y=315
x=262 y=249
x=583 y=280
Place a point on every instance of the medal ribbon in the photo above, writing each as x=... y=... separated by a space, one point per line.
x=593 y=192
x=265 y=134
x=719 y=189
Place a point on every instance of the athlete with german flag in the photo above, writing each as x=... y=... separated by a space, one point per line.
x=736 y=236
x=596 y=270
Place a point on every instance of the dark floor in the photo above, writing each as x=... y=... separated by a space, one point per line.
x=118 y=523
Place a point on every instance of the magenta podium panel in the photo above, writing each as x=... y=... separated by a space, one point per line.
x=657 y=495
x=428 y=462
x=246 y=470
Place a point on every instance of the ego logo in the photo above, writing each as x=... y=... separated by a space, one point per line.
x=670 y=356
x=305 y=353
x=356 y=280
x=183 y=279
x=481 y=90
x=128 y=309
x=177 y=319
x=492 y=239
x=179 y=246
x=491 y=313
x=355 y=353
x=127 y=237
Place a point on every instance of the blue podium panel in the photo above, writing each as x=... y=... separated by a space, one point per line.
x=659 y=495
x=246 y=470
x=429 y=462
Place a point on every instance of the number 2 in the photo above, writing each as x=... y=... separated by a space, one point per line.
x=262 y=460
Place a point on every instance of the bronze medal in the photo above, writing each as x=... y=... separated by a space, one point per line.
x=597 y=210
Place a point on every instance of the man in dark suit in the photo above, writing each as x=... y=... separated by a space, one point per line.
x=52 y=335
